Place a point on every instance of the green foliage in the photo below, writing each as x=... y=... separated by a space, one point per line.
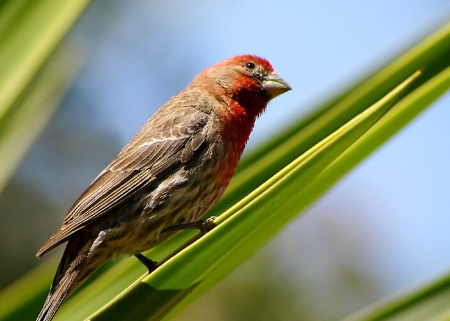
x=29 y=33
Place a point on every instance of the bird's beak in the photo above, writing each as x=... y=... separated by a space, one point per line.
x=275 y=85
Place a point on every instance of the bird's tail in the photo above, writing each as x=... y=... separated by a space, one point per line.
x=75 y=267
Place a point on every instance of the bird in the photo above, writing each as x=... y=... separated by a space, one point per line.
x=167 y=177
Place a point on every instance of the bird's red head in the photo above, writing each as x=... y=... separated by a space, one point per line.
x=241 y=60
x=249 y=82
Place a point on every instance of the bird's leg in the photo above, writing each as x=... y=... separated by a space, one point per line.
x=151 y=265
x=204 y=226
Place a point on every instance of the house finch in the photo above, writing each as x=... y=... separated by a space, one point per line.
x=170 y=174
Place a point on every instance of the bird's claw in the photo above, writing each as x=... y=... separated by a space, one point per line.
x=204 y=226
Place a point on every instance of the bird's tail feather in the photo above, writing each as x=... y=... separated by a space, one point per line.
x=54 y=299
x=75 y=267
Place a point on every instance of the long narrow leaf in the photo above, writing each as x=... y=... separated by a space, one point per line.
x=29 y=32
x=427 y=303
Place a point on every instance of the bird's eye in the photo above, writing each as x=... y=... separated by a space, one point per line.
x=250 y=65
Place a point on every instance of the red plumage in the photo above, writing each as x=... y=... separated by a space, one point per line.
x=169 y=174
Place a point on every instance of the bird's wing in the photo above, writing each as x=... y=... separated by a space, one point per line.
x=152 y=153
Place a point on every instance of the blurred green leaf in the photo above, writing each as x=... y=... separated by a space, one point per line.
x=29 y=34
x=427 y=303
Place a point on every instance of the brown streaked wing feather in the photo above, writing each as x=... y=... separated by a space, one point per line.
x=130 y=172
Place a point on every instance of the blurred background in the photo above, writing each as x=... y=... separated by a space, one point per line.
x=382 y=229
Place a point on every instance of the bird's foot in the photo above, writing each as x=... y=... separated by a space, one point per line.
x=204 y=226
